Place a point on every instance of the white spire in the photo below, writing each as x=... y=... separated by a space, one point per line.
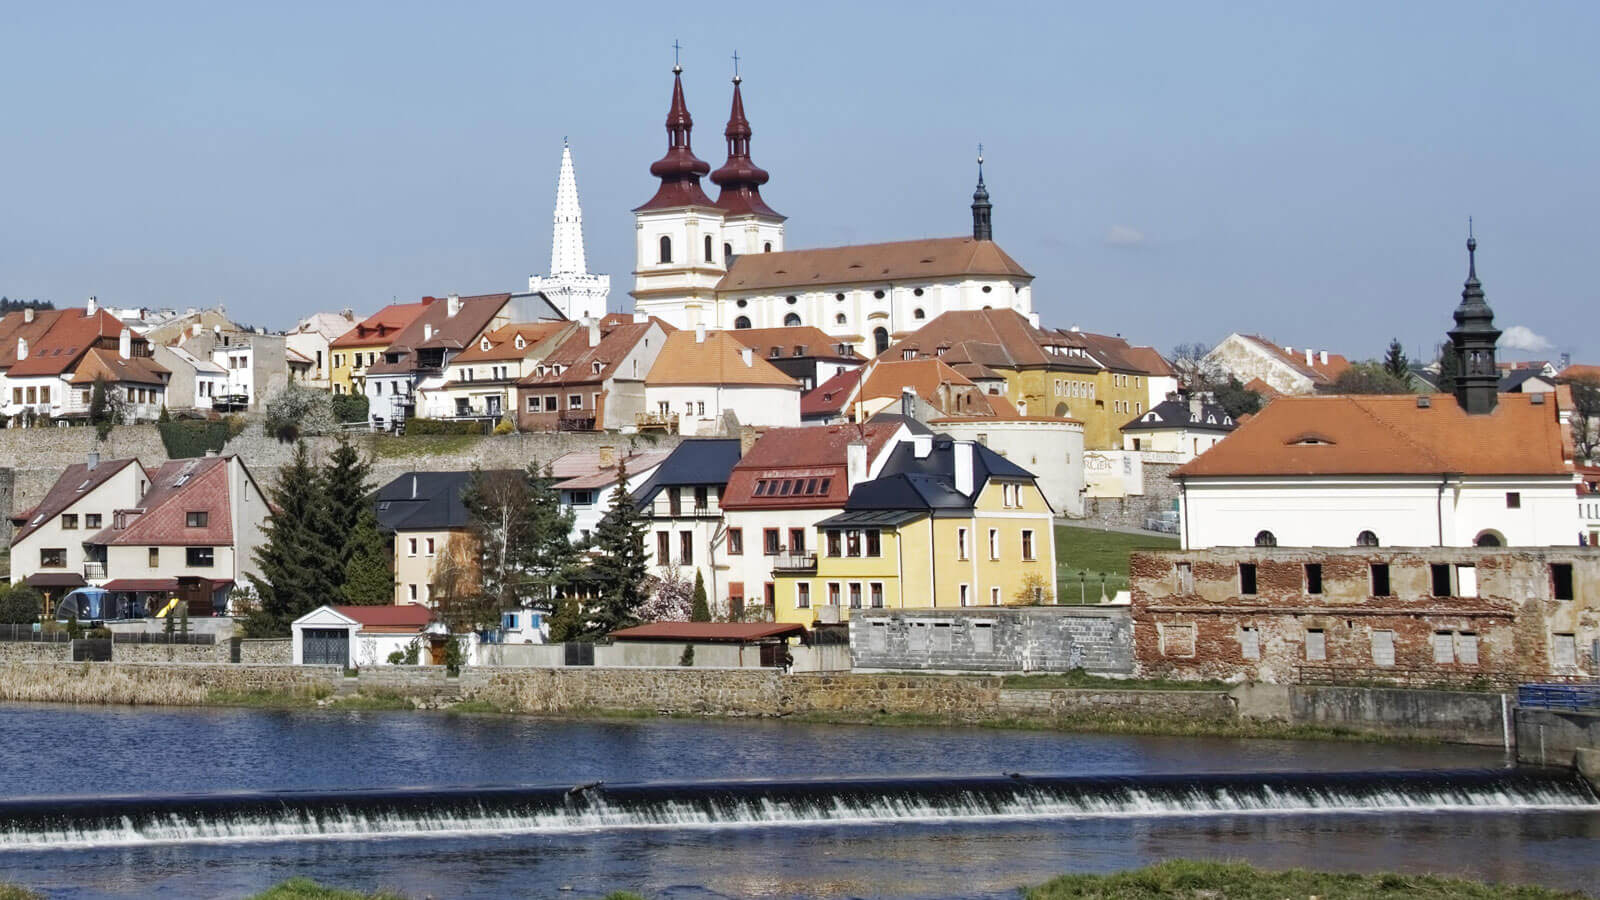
x=566 y=241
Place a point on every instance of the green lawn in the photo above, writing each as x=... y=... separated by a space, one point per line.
x=1182 y=879
x=1083 y=554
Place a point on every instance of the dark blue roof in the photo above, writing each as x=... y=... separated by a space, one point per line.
x=911 y=482
x=693 y=462
x=1177 y=414
x=423 y=500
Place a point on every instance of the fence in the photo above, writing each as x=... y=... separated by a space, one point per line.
x=1440 y=677
x=1572 y=697
x=159 y=637
x=29 y=633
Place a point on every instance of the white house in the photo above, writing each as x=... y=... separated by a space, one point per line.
x=700 y=377
x=47 y=546
x=355 y=636
x=1398 y=470
x=682 y=501
x=1187 y=426
x=195 y=383
x=586 y=478
x=1050 y=448
x=1286 y=370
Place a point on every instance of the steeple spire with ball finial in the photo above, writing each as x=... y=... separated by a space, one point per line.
x=982 y=226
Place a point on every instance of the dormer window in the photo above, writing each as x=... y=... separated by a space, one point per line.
x=597 y=367
x=197 y=518
x=908 y=354
x=483 y=344
x=774 y=353
x=799 y=351
x=520 y=342
x=1311 y=439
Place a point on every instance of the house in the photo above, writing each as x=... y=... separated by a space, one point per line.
x=787 y=481
x=944 y=523
x=1187 y=425
x=593 y=381
x=1415 y=614
x=424 y=513
x=194 y=382
x=356 y=636
x=586 y=479
x=1285 y=369
x=803 y=352
x=828 y=403
x=1527 y=380
x=192 y=535
x=938 y=389
x=728 y=645
x=312 y=338
x=480 y=382
x=363 y=344
x=52 y=357
x=682 y=505
x=1062 y=374
x=169 y=326
x=47 y=541
x=1589 y=506
x=257 y=363
x=700 y=378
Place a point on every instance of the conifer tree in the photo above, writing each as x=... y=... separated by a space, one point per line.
x=701 y=611
x=1395 y=362
x=368 y=576
x=293 y=561
x=345 y=500
x=619 y=570
x=1449 y=367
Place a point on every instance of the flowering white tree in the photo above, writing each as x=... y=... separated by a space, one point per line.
x=670 y=597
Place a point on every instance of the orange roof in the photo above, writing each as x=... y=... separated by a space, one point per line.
x=15 y=325
x=115 y=368
x=720 y=359
x=70 y=335
x=896 y=261
x=574 y=361
x=794 y=341
x=1001 y=338
x=1317 y=370
x=812 y=452
x=1579 y=373
x=501 y=343
x=925 y=376
x=1150 y=360
x=1389 y=435
x=383 y=325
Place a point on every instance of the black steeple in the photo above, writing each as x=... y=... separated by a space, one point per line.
x=1477 y=379
x=982 y=229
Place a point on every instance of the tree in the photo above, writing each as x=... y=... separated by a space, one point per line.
x=1449 y=367
x=498 y=511
x=106 y=407
x=1188 y=361
x=668 y=597
x=554 y=556
x=294 y=565
x=344 y=494
x=701 y=611
x=350 y=407
x=1236 y=399
x=19 y=604
x=368 y=576
x=619 y=569
x=456 y=588
x=1395 y=362
x=1369 y=378
x=1034 y=590
x=297 y=410
x=1586 y=419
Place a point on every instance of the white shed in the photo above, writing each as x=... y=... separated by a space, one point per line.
x=349 y=636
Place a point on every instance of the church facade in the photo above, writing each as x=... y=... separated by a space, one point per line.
x=723 y=264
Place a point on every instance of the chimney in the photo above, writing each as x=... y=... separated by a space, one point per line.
x=608 y=456
x=700 y=333
x=195 y=329
x=594 y=331
x=747 y=439
x=22 y=349
x=93 y=462
x=427 y=331
x=212 y=454
x=855 y=463
x=452 y=305
x=748 y=355
x=92 y=305
x=27 y=314
x=1033 y=319
x=908 y=401
x=921 y=445
x=640 y=318
x=964 y=464
x=348 y=313
x=125 y=344
x=1308 y=356
x=1323 y=355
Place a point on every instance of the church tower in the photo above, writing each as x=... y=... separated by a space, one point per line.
x=569 y=286
x=750 y=225
x=982 y=228
x=678 y=232
x=1473 y=340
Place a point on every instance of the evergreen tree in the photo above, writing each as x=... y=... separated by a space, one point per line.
x=1237 y=399
x=102 y=409
x=344 y=496
x=701 y=611
x=1449 y=367
x=619 y=570
x=1395 y=362
x=368 y=578
x=293 y=562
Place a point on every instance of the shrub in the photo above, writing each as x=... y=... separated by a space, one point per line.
x=351 y=407
x=298 y=410
x=687 y=659
x=504 y=427
x=191 y=439
x=20 y=605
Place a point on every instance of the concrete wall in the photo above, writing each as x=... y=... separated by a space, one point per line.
x=994 y=639
x=1551 y=738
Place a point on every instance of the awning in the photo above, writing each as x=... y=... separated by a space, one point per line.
x=141 y=584
x=55 y=579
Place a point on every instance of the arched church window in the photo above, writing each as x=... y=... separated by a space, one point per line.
x=791 y=320
x=709 y=257
x=840 y=319
x=1489 y=539
x=880 y=338
x=742 y=322
x=666 y=249
x=919 y=313
x=1367 y=539
x=878 y=294
x=727 y=253
x=1266 y=539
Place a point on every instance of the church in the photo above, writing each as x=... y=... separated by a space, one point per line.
x=723 y=265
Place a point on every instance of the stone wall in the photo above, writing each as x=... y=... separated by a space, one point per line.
x=34 y=651
x=1062 y=705
x=219 y=652
x=994 y=639
x=1160 y=491
x=266 y=651
x=32 y=458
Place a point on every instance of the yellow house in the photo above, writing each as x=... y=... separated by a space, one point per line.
x=947 y=523
x=352 y=352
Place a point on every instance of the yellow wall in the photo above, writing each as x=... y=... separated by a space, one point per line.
x=922 y=565
x=344 y=372
x=418 y=568
x=1118 y=399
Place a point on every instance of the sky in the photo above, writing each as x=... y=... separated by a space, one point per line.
x=1170 y=172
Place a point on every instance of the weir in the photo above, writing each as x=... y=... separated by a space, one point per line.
x=77 y=822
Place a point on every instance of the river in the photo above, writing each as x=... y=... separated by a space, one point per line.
x=192 y=803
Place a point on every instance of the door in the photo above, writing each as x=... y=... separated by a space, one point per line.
x=325 y=647
x=491 y=405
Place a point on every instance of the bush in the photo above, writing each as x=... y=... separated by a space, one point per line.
x=20 y=605
x=687 y=659
x=351 y=407
x=444 y=426
x=504 y=427
x=191 y=440
x=298 y=410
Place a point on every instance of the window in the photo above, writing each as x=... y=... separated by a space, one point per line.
x=1177 y=640
x=802 y=595
x=1563 y=651
x=855 y=595
x=769 y=540
x=875 y=594
x=919 y=312
x=53 y=558
x=835 y=543
x=1513 y=499
x=1440 y=578
x=199 y=557
x=735 y=541
x=1183 y=576
x=874 y=542
x=1444 y=647
x=766 y=247
x=742 y=322
x=940 y=639
x=994 y=596
x=663 y=548
x=961 y=543
x=1488 y=539
x=1247 y=578
x=727 y=253
x=1380 y=580
x=550 y=404
x=852 y=543
x=429 y=544
x=769 y=595
x=1316 y=645
x=833 y=593
x=1467 y=648
x=1249 y=642
x=1266 y=539
x=574 y=401
x=982 y=637
x=685 y=548
x=196 y=518
x=994 y=543
x=1313 y=578
x=69 y=521
x=1367 y=539
x=411 y=546
x=1561 y=581
x=1027 y=545
x=93 y=520
x=533 y=404
x=153 y=557
x=1466 y=581
x=1383 y=648
x=791 y=320
x=411 y=592
x=666 y=249
x=797 y=541
x=709 y=255
x=964 y=595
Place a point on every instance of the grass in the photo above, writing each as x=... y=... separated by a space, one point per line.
x=1078 y=679
x=1091 y=552
x=306 y=889
x=1193 y=880
x=391 y=446
x=18 y=892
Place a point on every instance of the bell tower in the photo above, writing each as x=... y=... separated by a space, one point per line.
x=1477 y=386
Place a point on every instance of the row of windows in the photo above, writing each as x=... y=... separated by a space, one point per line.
x=1448 y=647
x=33 y=394
x=664 y=246
x=1068 y=388
x=796 y=487
x=1123 y=406
x=1444 y=579
x=357 y=360
x=194 y=557
x=551 y=402
x=838 y=591
x=1028 y=549
x=496 y=373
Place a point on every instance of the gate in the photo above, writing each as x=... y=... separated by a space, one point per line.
x=91 y=650
x=325 y=647
x=579 y=653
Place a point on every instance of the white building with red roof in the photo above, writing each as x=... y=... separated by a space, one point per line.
x=1285 y=369
x=702 y=377
x=50 y=359
x=356 y=636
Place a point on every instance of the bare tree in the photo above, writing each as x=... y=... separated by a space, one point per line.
x=1189 y=361
x=1586 y=419
x=456 y=589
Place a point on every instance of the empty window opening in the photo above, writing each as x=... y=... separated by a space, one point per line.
x=1247 y=578
x=1441 y=579
x=1561 y=581
x=1313 y=578
x=1380 y=580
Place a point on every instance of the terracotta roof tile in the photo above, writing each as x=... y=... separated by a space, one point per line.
x=814 y=452
x=119 y=370
x=812 y=342
x=75 y=483
x=576 y=358
x=928 y=258
x=71 y=334
x=178 y=488
x=831 y=395
x=502 y=342
x=1318 y=371
x=720 y=359
x=381 y=326
x=404 y=615
x=1388 y=435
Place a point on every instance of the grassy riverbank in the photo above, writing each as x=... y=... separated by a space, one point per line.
x=306 y=889
x=1192 y=880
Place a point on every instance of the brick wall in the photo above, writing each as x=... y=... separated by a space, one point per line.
x=994 y=639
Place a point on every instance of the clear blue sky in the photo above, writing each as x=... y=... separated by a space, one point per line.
x=1171 y=172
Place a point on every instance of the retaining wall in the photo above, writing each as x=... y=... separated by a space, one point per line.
x=1463 y=717
x=268 y=651
x=1547 y=737
x=34 y=651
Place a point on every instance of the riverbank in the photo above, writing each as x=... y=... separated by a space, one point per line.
x=1264 y=711
x=1183 y=879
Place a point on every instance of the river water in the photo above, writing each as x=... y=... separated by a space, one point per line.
x=192 y=803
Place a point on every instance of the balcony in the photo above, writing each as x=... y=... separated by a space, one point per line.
x=795 y=565
x=667 y=422
x=94 y=571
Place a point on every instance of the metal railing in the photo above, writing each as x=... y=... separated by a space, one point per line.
x=94 y=570
x=32 y=634
x=1574 y=697
x=1457 y=676
x=805 y=563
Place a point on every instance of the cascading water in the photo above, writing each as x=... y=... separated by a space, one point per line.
x=74 y=822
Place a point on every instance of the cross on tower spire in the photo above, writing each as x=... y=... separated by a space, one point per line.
x=736 y=78
x=677 y=65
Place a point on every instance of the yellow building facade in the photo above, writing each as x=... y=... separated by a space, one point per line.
x=1104 y=400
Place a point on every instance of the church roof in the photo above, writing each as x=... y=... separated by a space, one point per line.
x=926 y=259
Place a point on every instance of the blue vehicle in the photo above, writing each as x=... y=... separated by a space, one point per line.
x=93 y=604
